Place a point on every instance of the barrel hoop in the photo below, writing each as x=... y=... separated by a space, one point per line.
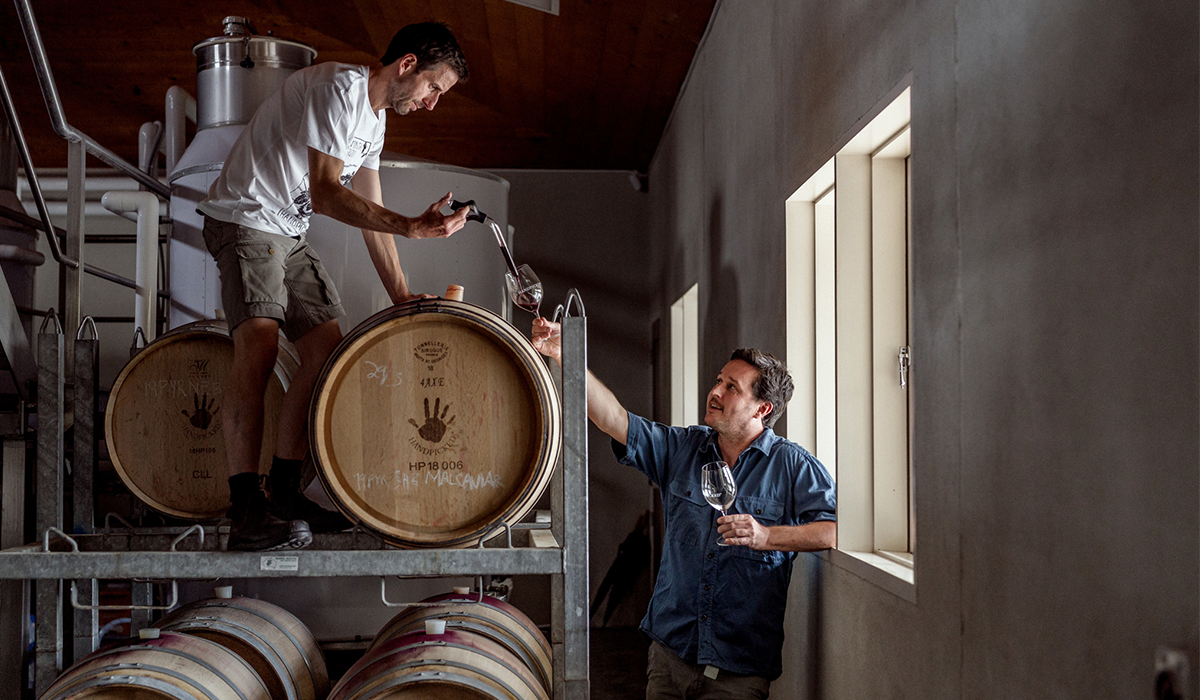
x=247 y=635
x=519 y=650
x=433 y=643
x=199 y=662
x=295 y=642
x=513 y=645
x=437 y=675
x=161 y=686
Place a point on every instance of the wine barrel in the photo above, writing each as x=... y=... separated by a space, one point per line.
x=490 y=617
x=163 y=420
x=173 y=666
x=276 y=644
x=433 y=422
x=455 y=665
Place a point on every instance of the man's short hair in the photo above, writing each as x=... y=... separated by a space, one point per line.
x=431 y=43
x=774 y=384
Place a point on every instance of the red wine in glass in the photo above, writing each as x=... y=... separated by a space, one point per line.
x=525 y=289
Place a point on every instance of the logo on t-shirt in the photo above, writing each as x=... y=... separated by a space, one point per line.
x=296 y=216
x=360 y=147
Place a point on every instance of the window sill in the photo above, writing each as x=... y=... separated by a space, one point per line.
x=892 y=576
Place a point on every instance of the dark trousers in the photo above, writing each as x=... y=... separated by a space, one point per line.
x=672 y=678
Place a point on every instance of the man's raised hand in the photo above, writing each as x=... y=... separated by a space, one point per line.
x=434 y=224
x=547 y=338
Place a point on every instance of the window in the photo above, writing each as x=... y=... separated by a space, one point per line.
x=685 y=372
x=848 y=342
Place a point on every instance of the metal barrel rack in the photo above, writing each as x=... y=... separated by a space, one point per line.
x=64 y=569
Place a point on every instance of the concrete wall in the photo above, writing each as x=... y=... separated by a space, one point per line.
x=588 y=230
x=1054 y=326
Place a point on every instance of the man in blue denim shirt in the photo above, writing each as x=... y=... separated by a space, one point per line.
x=716 y=616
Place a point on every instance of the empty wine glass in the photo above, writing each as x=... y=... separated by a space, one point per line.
x=525 y=289
x=716 y=481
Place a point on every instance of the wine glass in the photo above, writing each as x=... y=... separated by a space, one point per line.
x=525 y=289
x=716 y=481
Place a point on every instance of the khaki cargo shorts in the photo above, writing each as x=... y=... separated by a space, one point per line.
x=266 y=275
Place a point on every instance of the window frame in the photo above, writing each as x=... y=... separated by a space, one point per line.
x=685 y=359
x=863 y=432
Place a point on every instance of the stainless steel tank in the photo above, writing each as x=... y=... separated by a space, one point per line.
x=236 y=72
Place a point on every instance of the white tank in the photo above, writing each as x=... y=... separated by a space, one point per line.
x=195 y=287
x=470 y=258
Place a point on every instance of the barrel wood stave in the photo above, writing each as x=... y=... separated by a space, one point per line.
x=163 y=420
x=470 y=666
x=272 y=640
x=174 y=665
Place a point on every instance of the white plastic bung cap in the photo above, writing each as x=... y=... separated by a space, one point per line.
x=148 y=633
x=223 y=592
x=435 y=627
x=462 y=590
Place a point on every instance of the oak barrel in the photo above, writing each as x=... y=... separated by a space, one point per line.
x=163 y=420
x=455 y=665
x=433 y=422
x=178 y=666
x=273 y=641
x=490 y=617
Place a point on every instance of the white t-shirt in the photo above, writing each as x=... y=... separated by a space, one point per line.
x=264 y=183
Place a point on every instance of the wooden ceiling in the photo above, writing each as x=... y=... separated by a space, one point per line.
x=591 y=88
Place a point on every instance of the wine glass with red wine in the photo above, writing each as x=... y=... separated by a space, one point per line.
x=525 y=289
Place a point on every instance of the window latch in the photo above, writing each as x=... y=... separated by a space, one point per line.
x=905 y=360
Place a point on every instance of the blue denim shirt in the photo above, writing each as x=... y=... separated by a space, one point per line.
x=724 y=605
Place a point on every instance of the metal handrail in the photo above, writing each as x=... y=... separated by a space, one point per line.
x=58 y=119
x=35 y=187
x=52 y=232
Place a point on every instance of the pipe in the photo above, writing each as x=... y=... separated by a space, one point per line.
x=21 y=256
x=58 y=119
x=39 y=201
x=146 y=278
x=149 y=141
x=22 y=218
x=180 y=107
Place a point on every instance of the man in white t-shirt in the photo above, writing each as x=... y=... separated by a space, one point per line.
x=312 y=147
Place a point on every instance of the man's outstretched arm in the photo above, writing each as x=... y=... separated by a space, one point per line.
x=381 y=246
x=332 y=199
x=603 y=407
